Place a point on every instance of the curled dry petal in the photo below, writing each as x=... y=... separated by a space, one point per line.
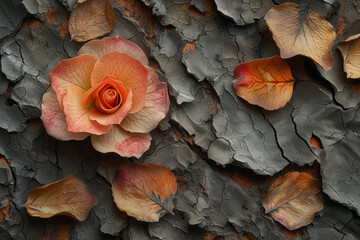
x=124 y=143
x=54 y=119
x=127 y=69
x=69 y=196
x=155 y=108
x=144 y=191
x=267 y=83
x=298 y=30
x=97 y=48
x=350 y=50
x=91 y=19
x=294 y=199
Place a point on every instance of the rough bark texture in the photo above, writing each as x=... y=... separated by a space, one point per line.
x=224 y=152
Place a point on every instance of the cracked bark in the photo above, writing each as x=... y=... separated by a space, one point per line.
x=224 y=152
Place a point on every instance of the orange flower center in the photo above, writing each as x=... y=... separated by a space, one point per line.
x=108 y=95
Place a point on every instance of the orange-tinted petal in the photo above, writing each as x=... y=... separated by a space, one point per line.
x=265 y=82
x=113 y=118
x=54 y=119
x=77 y=115
x=72 y=72
x=127 y=69
x=155 y=109
x=98 y=48
x=124 y=143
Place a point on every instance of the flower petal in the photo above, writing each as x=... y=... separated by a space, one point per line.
x=155 y=109
x=77 y=115
x=124 y=143
x=98 y=48
x=127 y=69
x=114 y=118
x=54 y=119
x=72 y=72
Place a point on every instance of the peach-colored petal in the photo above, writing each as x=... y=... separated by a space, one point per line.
x=98 y=48
x=124 y=143
x=54 y=119
x=77 y=115
x=72 y=72
x=155 y=109
x=127 y=69
x=113 y=118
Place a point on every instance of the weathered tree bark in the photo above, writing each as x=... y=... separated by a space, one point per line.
x=224 y=152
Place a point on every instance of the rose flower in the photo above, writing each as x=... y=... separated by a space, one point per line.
x=109 y=92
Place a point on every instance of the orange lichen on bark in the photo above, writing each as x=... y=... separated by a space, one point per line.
x=211 y=8
x=4 y=212
x=64 y=28
x=53 y=15
x=189 y=46
x=141 y=14
x=340 y=27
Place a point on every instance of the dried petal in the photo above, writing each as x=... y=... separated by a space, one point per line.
x=350 y=49
x=91 y=19
x=294 y=199
x=298 y=30
x=267 y=83
x=144 y=191
x=69 y=196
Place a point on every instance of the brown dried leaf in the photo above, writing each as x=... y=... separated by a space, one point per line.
x=298 y=30
x=144 y=191
x=91 y=19
x=294 y=199
x=69 y=196
x=350 y=49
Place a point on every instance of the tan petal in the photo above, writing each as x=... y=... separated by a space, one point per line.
x=294 y=199
x=144 y=191
x=298 y=30
x=350 y=49
x=91 y=19
x=69 y=196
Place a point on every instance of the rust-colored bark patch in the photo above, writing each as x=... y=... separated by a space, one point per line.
x=356 y=87
x=141 y=14
x=316 y=142
x=63 y=28
x=189 y=46
x=291 y=235
x=340 y=27
x=53 y=15
x=31 y=23
x=4 y=212
x=210 y=6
